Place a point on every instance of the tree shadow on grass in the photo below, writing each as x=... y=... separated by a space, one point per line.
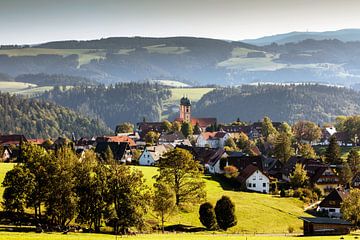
x=184 y=228
x=225 y=183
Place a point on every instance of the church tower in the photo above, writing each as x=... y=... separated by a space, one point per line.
x=185 y=109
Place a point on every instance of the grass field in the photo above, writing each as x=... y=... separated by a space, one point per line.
x=163 y=49
x=22 y=88
x=255 y=212
x=172 y=236
x=85 y=55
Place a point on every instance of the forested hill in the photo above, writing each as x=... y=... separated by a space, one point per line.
x=290 y=103
x=41 y=119
x=125 y=102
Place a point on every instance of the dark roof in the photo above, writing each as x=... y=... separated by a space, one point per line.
x=171 y=137
x=12 y=139
x=334 y=199
x=241 y=162
x=118 y=148
x=203 y=154
x=325 y=220
x=342 y=136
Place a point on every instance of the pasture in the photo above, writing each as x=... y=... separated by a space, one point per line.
x=23 y=88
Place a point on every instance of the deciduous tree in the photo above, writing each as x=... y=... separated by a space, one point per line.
x=225 y=213
x=207 y=216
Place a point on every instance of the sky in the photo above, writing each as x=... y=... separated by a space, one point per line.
x=38 y=21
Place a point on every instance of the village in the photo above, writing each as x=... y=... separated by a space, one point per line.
x=254 y=157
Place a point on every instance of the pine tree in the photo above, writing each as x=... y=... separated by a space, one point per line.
x=186 y=129
x=283 y=149
x=353 y=160
x=332 y=154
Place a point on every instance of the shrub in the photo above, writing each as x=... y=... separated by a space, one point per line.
x=207 y=216
x=291 y=229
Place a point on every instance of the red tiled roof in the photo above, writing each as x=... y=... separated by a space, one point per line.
x=117 y=139
x=12 y=139
x=203 y=122
x=37 y=141
x=213 y=135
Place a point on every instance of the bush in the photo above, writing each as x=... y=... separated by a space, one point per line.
x=291 y=229
x=207 y=216
x=225 y=213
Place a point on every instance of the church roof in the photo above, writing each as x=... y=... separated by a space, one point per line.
x=185 y=101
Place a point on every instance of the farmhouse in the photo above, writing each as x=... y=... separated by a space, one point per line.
x=152 y=154
x=325 y=226
x=212 y=139
x=174 y=138
x=254 y=180
x=332 y=203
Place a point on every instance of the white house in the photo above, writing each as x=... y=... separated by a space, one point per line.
x=151 y=154
x=212 y=139
x=254 y=180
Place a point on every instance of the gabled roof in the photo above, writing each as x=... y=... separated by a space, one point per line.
x=171 y=137
x=203 y=154
x=213 y=135
x=342 y=136
x=117 y=139
x=118 y=148
x=336 y=196
x=203 y=122
x=158 y=151
x=12 y=139
x=247 y=172
x=325 y=220
x=37 y=141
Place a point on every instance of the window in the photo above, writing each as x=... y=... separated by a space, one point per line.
x=264 y=184
x=249 y=185
x=331 y=210
x=254 y=185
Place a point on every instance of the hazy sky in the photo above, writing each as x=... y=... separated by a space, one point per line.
x=35 y=21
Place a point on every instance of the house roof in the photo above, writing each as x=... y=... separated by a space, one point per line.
x=37 y=141
x=203 y=154
x=325 y=220
x=336 y=196
x=342 y=136
x=118 y=148
x=171 y=137
x=117 y=139
x=247 y=172
x=157 y=151
x=213 y=135
x=203 y=122
x=12 y=139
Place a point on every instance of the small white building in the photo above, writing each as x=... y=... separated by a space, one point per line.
x=254 y=180
x=212 y=139
x=331 y=205
x=151 y=154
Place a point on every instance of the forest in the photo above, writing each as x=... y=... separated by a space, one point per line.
x=122 y=102
x=290 y=103
x=41 y=119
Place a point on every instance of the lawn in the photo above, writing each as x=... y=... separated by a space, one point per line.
x=163 y=49
x=4 y=168
x=15 y=86
x=255 y=212
x=172 y=236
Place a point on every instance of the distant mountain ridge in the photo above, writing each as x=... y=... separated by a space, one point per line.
x=345 y=35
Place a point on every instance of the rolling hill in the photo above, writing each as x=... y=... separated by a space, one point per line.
x=289 y=103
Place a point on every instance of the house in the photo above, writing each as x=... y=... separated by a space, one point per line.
x=327 y=132
x=271 y=167
x=343 y=139
x=212 y=139
x=254 y=180
x=152 y=154
x=120 y=150
x=85 y=143
x=174 y=138
x=133 y=135
x=322 y=226
x=332 y=203
x=320 y=175
x=14 y=139
x=185 y=115
x=210 y=158
x=6 y=154
x=145 y=127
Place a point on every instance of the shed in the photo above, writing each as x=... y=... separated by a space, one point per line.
x=321 y=226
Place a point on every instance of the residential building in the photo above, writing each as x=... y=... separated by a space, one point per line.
x=212 y=139
x=254 y=180
x=331 y=204
x=152 y=154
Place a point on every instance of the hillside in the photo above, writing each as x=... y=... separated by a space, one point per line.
x=345 y=35
x=280 y=102
x=255 y=212
x=125 y=102
x=41 y=119
x=190 y=61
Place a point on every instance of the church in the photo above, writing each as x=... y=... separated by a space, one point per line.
x=185 y=115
